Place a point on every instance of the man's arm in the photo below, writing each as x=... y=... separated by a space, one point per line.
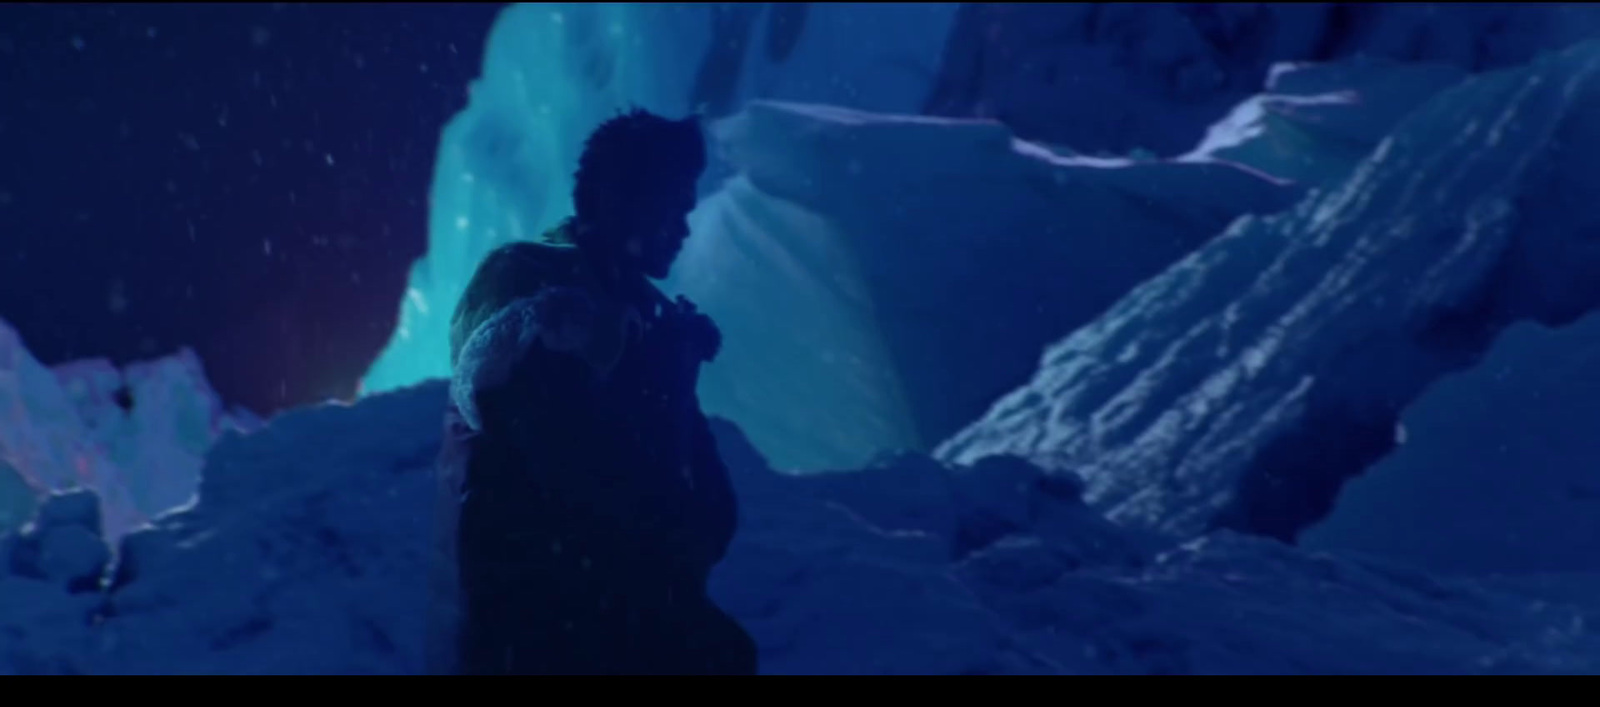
x=511 y=272
x=712 y=489
x=530 y=358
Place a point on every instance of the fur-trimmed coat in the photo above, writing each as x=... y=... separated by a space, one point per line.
x=582 y=501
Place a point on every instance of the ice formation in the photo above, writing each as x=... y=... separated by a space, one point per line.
x=137 y=435
x=881 y=279
x=553 y=71
x=805 y=253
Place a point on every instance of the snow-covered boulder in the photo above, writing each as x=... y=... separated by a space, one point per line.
x=1246 y=384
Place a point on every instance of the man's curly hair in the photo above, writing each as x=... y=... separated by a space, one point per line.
x=632 y=152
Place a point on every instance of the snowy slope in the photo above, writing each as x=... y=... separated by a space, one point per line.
x=304 y=555
x=1243 y=386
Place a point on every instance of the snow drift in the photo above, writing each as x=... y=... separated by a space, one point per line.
x=304 y=555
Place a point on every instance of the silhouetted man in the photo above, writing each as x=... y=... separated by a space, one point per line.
x=584 y=502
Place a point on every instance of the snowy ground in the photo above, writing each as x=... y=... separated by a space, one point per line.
x=304 y=555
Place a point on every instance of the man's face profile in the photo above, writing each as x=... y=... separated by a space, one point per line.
x=660 y=221
x=637 y=184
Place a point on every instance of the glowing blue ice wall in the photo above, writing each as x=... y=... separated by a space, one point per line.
x=553 y=71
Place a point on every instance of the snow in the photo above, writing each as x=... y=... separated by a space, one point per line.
x=1272 y=364
x=1122 y=512
x=305 y=555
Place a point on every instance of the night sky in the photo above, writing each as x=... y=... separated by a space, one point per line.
x=247 y=180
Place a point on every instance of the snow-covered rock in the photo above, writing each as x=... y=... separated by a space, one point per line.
x=1118 y=76
x=1243 y=386
x=305 y=552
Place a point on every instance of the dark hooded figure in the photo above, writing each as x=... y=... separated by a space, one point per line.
x=583 y=502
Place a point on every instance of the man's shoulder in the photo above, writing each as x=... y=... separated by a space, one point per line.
x=526 y=259
x=510 y=272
